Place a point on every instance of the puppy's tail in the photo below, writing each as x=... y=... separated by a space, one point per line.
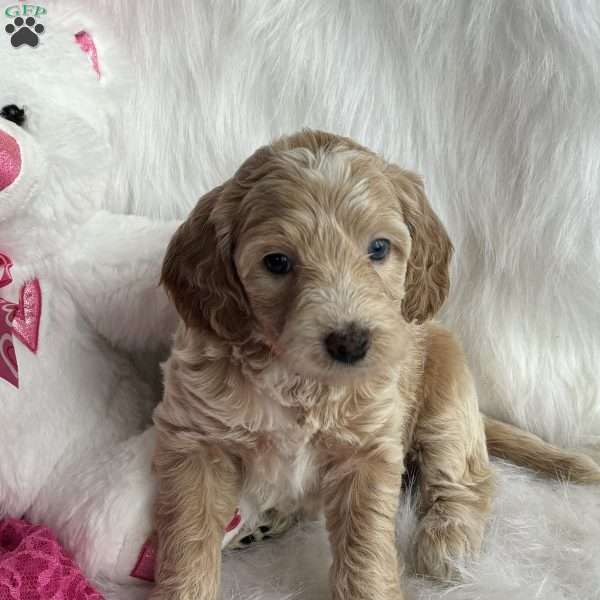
x=528 y=450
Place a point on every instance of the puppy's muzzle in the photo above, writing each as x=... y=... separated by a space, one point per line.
x=348 y=345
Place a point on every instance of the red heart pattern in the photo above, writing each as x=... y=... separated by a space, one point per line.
x=22 y=319
x=8 y=360
x=26 y=322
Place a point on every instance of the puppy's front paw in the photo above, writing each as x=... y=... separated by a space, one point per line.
x=167 y=595
x=161 y=595
x=444 y=544
x=180 y=594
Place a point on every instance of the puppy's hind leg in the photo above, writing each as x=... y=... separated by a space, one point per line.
x=272 y=524
x=455 y=475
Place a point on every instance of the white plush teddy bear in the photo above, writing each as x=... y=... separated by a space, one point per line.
x=78 y=289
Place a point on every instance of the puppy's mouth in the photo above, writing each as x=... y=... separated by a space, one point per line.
x=332 y=373
x=346 y=374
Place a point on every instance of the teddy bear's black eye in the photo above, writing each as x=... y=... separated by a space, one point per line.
x=11 y=112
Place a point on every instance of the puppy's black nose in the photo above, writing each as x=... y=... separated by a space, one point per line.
x=348 y=345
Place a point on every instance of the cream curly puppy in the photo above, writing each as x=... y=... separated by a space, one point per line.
x=306 y=370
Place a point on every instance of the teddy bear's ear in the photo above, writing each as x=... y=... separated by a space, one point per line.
x=91 y=33
x=86 y=43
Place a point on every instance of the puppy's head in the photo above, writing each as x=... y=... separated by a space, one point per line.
x=317 y=248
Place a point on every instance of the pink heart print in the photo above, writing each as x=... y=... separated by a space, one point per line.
x=5 y=265
x=22 y=320
x=8 y=360
x=26 y=321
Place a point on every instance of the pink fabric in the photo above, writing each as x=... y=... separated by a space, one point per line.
x=8 y=359
x=5 y=266
x=26 y=322
x=10 y=159
x=34 y=566
x=86 y=43
x=21 y=320
x=235 y=522
x=144 y=567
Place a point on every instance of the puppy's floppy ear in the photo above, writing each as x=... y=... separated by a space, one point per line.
x=199 y=272
x=427 y=272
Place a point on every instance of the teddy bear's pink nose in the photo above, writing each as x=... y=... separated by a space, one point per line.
x=10 y=159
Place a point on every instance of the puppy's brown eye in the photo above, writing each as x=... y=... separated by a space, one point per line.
x=278 y=264
x=379 y=249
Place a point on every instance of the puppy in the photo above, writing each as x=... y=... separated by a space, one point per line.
x=306 y=370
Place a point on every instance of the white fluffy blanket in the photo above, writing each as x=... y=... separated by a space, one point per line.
x=497 y=104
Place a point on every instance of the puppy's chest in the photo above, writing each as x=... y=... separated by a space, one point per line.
x=282 y=467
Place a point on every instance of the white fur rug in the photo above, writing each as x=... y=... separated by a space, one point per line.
x=497 y=104
x=542 y=543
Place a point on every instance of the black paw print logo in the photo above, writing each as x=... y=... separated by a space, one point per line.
x=24 y=31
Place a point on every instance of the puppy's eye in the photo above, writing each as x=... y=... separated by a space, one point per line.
x=11 y=112
x=278 y=264
x=379 y=249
